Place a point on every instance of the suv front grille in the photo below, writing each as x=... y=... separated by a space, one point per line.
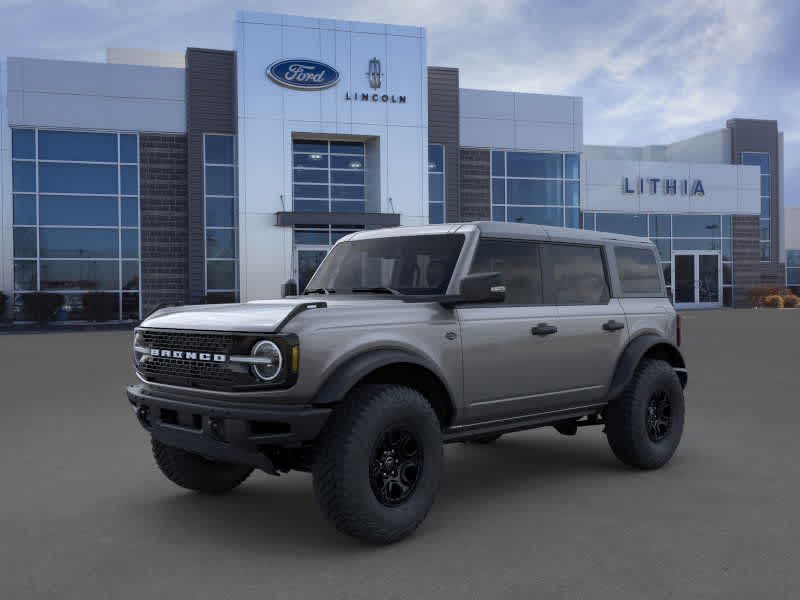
x=178 y=371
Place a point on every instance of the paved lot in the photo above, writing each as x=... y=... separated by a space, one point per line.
x=85 y=514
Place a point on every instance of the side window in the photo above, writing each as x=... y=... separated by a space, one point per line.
x=518 y=265
x=638 y=271
x=574 y=275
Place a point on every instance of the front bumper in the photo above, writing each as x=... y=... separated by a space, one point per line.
x=225 y=431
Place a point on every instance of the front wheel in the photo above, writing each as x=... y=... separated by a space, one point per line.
x=644 y=424
x=378 y=463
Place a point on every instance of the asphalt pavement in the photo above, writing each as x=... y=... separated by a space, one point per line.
x=85 y=514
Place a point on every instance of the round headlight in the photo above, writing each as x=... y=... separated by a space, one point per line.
x=268 y=360
x=139 y=350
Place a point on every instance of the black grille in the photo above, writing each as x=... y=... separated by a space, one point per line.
x=183 y=371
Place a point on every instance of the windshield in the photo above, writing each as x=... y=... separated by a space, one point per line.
x=418 y=264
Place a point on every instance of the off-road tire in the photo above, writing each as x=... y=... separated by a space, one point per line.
x=627 y=417
x=194 y=472
x=486 y=439
x=344 y=457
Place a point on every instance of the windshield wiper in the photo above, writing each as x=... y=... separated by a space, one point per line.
x=376 y=290
x=320 y=290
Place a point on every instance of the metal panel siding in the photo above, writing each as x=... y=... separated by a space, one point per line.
x=475 y=184
x=443 y=128
x=210 y=108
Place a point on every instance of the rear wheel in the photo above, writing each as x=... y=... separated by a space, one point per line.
x=378 y=463
x=197 y=473
x=644 y=424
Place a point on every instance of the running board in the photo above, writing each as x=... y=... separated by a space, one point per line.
x=468 y=431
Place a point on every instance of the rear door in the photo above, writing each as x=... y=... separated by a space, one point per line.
x=592 y=330
x=507 y=366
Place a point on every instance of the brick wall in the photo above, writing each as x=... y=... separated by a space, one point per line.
x=475 y=199
x=165 y=234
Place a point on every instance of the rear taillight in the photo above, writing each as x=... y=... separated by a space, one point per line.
x=678 y=333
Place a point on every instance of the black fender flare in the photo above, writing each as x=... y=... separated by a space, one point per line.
x=654 y=344
x=347 y=375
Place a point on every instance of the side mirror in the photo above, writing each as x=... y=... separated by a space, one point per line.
x=482 y=287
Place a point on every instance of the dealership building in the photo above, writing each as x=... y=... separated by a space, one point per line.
x=217 y=175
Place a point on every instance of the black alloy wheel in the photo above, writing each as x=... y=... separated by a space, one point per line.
x=659 y=416
x=396 y=465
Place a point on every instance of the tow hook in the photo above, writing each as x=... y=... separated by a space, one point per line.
x=143 y=414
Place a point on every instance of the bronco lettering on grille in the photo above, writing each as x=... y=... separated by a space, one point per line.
x=187 y=355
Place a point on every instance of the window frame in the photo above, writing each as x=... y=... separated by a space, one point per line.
x=603 y=259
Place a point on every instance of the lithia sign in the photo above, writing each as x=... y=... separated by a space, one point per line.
x=667 y=186
x=306 y=74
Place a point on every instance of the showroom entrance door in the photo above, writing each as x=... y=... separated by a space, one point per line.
x=307 y=259
x=697 y=279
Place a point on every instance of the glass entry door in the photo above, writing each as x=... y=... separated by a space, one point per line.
x=308 y=259
x=697 y=279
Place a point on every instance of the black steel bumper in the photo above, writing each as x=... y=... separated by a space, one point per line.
x=224 y=431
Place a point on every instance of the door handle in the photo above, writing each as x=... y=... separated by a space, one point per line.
x=544 y=329
x=613 y=325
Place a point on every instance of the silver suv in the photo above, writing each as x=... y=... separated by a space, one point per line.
x=406 y=339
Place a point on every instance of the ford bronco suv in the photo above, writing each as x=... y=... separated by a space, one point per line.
x=406 y=339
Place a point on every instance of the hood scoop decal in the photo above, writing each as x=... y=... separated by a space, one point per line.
x=298 y=308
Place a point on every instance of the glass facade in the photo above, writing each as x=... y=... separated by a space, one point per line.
x=793 y=268
x=536 y=187
x=311 y=245
x=436 y=183
x=76 y=219
x=673 y=233
x=761 y=160
x=219 y=159
x=328 y=176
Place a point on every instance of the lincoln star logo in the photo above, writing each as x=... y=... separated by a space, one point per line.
x=374 y=74
x=303 y=74
x=187 y=355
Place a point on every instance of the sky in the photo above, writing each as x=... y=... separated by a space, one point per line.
x=649 y=72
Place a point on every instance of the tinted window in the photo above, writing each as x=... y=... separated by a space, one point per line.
x=66 y=178
x=219 y=212
x=23 y=176
x=80 y=275
x=541 y=215
x=638 y=271
x=530 y=164
x=128 y=151
x=24 y=209
x=696 y=225
x=219 y=149
x=628 y=224
x=78 y=243
x=533 y=191
x=73 y=145
x=573 y=275
x=518 y=265
x=77 y=210
x=22 y=143
x=219 y=181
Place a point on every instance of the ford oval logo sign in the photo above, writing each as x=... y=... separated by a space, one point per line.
x=303 y=74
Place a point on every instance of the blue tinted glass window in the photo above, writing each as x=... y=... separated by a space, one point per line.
x=316 y=238
x=536 y=214
x=24 y=209
x=310 y=191
x=77 y=210
x=696 y=225
x=313 y=175
x=78 y=243
x=765 y=207
x=347 y=192
x=130 y=243
x=23 y=176
x=221 y=274
x=765 y=185
x=530 y=164
x=220 y=243
x=219 y=181
x=356 y=177
x=573 y=166
x=766 y=251
x=348 y=206
x=25 y=242
x=696 y=244
x=436 y=213
x=128 y=149
x=436 y=187
x=337 y=162
x=759 y=159
x=320 y=161
x=129 y=180
x=727 y=249
x=588 y=221
x=572 y=189
x=498 y=191
x=23 y=143
x=337 y=235
x=219 y=212
x=130 y=275
x=130 y=212
x=435 y=158
x=24 y=275
x=498 y=213
x=311 y=205
x=660 y=226
x=73 y=145
x=572 y=217
x=664 y=248
x=77 y=179
x=498 y=163
x=793 y=258
x=628 y=224
x=764 y=229
x=80 y=275
x=310 y=146
x=219 y=149
x=726 y=226
x=347 y=148
x=793 y=277
x=525 y=191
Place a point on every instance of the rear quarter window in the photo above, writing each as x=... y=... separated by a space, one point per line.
x=574 y=275
x=638 y=272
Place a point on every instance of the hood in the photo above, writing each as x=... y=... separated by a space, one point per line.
x=261 y=316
